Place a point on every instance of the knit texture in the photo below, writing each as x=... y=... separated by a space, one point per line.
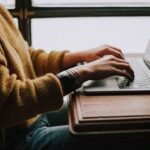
x=28 y=86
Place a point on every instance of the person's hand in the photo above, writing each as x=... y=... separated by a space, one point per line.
x=103 y=68
x=96 y=53
x=72 y=58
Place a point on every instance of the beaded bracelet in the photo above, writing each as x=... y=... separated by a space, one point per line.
x=70 y=80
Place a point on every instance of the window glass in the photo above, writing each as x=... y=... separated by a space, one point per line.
x=94 y=3
x=131 y=34
x=10 y=4
x=16 y=21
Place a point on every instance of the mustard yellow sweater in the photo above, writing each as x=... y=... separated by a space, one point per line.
x=28 y=86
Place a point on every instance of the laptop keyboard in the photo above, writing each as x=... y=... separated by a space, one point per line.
x=141 y=80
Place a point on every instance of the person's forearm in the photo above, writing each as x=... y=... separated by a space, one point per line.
x=72 y=58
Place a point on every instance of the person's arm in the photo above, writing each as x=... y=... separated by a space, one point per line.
x=72 y=58
x=107 y=66
x=102 y=62
x=44 y=62
x=21 y=100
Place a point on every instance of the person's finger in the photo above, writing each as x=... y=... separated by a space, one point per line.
x=122 y=73
x=124 y=67
x=111 y=51
x=119 y=50
x=113 y=58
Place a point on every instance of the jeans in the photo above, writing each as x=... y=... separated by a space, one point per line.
x=50 y=134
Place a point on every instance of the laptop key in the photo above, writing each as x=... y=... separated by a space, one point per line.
x=141 y=78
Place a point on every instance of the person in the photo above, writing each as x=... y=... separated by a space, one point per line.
x=33 y=82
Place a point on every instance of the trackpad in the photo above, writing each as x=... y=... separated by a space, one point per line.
x=101 y=85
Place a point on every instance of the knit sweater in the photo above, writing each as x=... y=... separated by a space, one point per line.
x=28 y=85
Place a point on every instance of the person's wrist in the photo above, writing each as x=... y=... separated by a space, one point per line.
x=76 y=76
x=83 y=72
x=70 y=80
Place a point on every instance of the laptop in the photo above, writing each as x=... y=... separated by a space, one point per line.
x=122 y=85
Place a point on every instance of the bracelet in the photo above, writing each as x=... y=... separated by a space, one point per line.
x=70 y=80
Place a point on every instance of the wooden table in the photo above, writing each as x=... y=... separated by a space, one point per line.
x=109 y=114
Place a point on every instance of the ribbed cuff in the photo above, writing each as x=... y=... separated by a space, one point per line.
x=49 y=93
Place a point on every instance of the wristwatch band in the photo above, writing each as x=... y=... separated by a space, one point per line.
x=70 y=80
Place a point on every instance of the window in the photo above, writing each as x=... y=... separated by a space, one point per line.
x=85 y=3
x=81 y=24
x=10 y=4
x=129 y=33
x=16 y=21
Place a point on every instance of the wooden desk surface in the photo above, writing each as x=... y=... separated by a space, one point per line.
x=110 y=114
x=114 y=106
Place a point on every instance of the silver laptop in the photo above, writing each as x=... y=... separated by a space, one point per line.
x=121 y=85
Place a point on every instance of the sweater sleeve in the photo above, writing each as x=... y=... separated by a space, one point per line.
x=47 y=62
x=21 y=100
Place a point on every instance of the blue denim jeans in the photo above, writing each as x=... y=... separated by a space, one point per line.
x=49 y=134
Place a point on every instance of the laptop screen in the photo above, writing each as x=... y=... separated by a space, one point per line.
x=147 y=55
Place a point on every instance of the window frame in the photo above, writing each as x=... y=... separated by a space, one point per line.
x=25 y=12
